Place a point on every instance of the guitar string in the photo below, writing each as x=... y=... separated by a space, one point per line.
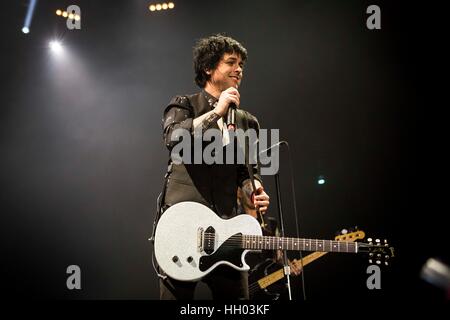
x=309 y=244
x=274 y=246
x=211 y=236
x=274 y=242
x=277 y=239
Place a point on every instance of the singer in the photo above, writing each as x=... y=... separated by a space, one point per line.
x=218 y=65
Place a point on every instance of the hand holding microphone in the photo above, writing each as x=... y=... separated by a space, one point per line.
x=227 y=104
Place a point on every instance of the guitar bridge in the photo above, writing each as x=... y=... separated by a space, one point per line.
x=200 y=236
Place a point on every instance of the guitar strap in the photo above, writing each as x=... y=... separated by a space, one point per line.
x=160 y=200
x=250 y=171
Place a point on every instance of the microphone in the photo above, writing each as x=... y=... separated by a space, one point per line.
x=231 y=117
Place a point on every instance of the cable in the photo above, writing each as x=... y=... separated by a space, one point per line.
x=295 y=214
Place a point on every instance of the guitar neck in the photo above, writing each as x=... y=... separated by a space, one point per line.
x=274 y=243
x=308 y=259
x=279 y=274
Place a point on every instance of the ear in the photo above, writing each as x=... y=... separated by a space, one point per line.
x=208 y=71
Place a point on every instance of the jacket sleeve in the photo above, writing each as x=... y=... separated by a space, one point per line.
x=243 y=174
x=178 y=114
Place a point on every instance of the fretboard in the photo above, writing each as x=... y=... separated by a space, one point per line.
x=274 y=243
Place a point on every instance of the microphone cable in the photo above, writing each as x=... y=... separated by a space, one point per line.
x=297 y=228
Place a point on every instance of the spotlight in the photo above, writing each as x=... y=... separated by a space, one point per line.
x=58 y=12
x=65 y=14
x=56 y=47
x=29 y=16
x=161 y=6
x=321 y=180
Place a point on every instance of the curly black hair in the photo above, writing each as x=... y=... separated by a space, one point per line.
x=208 y=52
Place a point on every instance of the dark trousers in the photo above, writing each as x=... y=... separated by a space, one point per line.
x=224 y=282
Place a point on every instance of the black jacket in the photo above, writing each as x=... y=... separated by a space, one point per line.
x=214 y=185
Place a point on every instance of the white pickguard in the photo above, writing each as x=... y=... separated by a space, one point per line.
x=177 y=238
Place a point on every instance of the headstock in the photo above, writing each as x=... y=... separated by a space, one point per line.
x=350 y=236
x=379 y=251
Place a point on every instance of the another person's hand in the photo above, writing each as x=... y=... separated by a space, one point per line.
x=295 y=268
x=261 y=200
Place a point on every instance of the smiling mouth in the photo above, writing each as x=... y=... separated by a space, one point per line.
x=235 y=77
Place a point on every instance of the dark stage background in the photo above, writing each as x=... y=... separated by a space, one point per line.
x=82 y=159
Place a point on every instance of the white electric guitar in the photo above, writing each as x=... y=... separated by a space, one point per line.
x=191 y=241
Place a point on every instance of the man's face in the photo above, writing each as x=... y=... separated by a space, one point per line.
x=228 y=72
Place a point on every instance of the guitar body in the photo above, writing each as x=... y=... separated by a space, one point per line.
x=191 y=241
x=179 y=248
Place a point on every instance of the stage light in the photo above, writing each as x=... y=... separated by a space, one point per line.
x=56 y=47
x=65 y=14
x=161 y=6
x=321 y=180
x=29 y=16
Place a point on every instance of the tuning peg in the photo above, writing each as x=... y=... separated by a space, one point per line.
x=378 y=262
x=344 y=231
x=370 y=261
x=377 y=241
x=386 y=263
x=369 y=239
